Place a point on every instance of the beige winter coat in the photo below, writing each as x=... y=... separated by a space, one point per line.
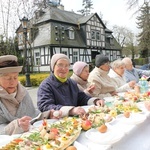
x=104 y=85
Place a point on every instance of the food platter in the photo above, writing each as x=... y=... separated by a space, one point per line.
x=39 y=123
x=86 y=107
x=111 y=136
x=56 y=136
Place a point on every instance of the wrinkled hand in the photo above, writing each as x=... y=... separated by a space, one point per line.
x=91 y=88
x=24 y=123
x=99 y=102
x=55 y=114
x=137 y=89
x=77 y=111
x=113 y=93
x=132 y=84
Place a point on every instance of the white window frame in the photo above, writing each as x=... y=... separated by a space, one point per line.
x=71 y=34
x=37 y=59
x=75 y=56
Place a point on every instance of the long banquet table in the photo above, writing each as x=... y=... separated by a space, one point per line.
x=137 y=137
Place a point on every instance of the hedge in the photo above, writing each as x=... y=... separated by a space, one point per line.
x=36 y=78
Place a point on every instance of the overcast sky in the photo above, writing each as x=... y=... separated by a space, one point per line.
x=115 y=12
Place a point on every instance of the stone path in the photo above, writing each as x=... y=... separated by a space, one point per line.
x=33 y=93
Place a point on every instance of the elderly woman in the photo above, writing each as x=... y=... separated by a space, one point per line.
x=116 y=72
x=80 y=75
x=104 y=85
x=61 y=93
x=16 y=107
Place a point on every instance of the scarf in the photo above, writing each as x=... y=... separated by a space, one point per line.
x=61 y=79
x=11 y=102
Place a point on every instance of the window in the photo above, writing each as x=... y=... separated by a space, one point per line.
x=37 y=59
x=93 y=35
x=98 y=35
x=75 y=56
x=71 y=33
x=20 y=37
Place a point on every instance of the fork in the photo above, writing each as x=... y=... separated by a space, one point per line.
x=35 y=119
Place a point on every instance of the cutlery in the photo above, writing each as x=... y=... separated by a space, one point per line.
x=35 y=119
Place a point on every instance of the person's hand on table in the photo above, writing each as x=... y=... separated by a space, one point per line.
x=99 y=102
x=137 y=88
x=55 y=114
x=24 y=123
x=77 y=111
x=132 y=84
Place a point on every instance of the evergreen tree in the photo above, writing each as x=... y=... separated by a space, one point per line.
x=87 y=6
x=144 y=25
x=46 y=3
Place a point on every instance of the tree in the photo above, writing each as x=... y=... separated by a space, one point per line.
x=87 y=6
x=126 y=39
x=45 y=3
x=8 y=46
x=136 y=3
x=144 y=24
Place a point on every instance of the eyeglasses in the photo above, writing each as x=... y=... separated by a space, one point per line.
x=61 y=66
x=108 y=63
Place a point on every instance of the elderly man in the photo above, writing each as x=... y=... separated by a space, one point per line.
x=131 y=73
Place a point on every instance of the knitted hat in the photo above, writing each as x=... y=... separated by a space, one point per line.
x=78 y=67
x=55 y=58
x=9 y=64
x=101 y=60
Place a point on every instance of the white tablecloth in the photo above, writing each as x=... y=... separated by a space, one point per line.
x=137 y=137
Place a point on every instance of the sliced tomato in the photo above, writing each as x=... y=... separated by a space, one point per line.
x=18 y=140
x=44 y=123
x=54 y=130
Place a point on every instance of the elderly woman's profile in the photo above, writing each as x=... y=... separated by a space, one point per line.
x=16 y=106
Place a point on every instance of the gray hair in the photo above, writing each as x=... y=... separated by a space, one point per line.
x=117 y=63
x=127 y=61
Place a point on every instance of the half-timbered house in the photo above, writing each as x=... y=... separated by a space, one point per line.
x=54 y=30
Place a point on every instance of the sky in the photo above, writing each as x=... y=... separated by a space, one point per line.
x=114 y=12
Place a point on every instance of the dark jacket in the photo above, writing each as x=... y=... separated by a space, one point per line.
x=52 y=94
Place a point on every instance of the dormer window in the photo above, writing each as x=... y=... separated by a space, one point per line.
x=71 y=33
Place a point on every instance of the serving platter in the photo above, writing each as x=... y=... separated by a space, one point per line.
x=111 y=136
x=39 y=123
x=134 y=119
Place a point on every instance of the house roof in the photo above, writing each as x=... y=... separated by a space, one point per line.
x=53 y=13
x=115 y=45
x=85 y=19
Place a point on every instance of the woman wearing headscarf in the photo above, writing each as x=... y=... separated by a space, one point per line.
x=80 y=75
x=61 y=93
x=16 y=106
x=104 y=85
